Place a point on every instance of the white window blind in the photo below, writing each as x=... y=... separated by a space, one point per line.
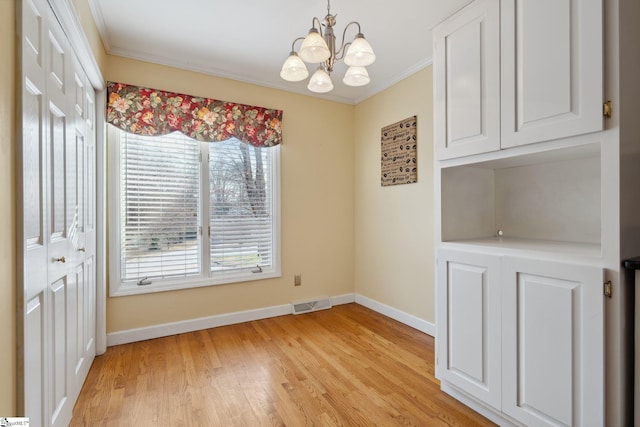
x=160 y=187
x=191 y=213
x=241 y=206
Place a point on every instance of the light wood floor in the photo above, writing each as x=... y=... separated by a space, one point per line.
x=347 y=366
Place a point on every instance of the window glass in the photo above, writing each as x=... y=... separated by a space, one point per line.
x=160 y=209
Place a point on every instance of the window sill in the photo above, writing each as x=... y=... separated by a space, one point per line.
x=119 y=289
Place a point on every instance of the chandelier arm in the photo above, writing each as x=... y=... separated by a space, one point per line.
x=313 y=25
x=342 y=51
x=343 y=47
x=293 y=45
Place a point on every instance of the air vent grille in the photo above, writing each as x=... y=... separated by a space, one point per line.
x=300 y=307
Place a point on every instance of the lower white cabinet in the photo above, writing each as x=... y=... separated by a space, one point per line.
x=468 y=322
x=522 y=336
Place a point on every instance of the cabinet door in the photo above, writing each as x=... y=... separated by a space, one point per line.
x=467 y=81
x=553 y=352
x=468 y=323
x=552 y=82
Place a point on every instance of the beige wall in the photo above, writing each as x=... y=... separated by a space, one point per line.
x=317 y=202
x=83 y=11
x=7 y=216
x=394 y=225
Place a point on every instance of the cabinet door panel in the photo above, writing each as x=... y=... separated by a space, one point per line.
x=552 y=83
x=468 y=335
x=467 y=81
x=552 y=343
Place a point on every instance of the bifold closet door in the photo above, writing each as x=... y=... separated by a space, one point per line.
x=57 y=211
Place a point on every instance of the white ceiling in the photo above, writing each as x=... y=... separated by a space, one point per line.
x=248 y=40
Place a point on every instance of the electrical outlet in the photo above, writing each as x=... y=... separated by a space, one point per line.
x=297 y=280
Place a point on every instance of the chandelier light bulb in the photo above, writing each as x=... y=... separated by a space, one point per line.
x=359 y=53
x=314 y=49
x=356 y=76
x=293 y=69
x=320 y=82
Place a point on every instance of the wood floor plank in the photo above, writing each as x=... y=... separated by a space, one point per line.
x=347 y=366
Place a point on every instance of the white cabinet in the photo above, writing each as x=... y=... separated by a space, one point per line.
x=551 y=63
x=552 y=343
x=467 y=74
x=515 y=72
x=522 y=335
x=556 y=182
x=468 y=324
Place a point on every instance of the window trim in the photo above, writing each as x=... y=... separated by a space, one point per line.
x=119 y=288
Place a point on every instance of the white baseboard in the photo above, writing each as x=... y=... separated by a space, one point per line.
x=402 y=317
x=480 y=408
x=167 y=329
x=343 y=299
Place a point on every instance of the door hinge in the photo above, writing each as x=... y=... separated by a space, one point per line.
x=608 y=289
x=607 y=109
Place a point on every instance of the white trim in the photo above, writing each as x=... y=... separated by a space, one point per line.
x=472 y=403
x=118 y=288
x=66 y=14
x=367 y=92
x=100 y=25
x=101 y=224
x=402 y=317
x=343 y=299
x=167 y=329
x=386 y=84
x=191 y=325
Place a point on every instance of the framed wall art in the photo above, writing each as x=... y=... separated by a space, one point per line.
x=399 y=152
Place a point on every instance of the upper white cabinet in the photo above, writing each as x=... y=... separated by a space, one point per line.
x=551 y=63
x=467 y=75
x=515 y=72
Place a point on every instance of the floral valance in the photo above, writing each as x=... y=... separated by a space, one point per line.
x=146 y=111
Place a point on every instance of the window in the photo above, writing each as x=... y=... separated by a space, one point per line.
x=186 y=213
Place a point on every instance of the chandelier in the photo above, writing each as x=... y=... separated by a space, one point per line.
x=319 y=47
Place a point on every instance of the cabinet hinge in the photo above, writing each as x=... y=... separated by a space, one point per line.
x=608 y=289
x=607 y=109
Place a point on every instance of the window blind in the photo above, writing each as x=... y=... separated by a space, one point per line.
x=241 y=206
x=162 y=215
x=160 y=208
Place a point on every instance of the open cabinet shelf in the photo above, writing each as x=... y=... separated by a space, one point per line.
x=541 y=203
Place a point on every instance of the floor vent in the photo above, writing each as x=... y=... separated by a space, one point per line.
x=300 y=307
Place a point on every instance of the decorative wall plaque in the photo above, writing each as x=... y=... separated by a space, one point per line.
x=399 y=143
